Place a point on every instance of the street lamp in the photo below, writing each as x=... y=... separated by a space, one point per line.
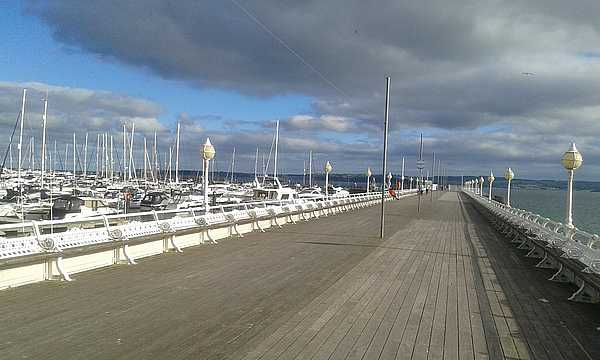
x=369 y=173
x=491 y=179
x=571 y=161
x=389 y=180
x=208 y=153
x=411 y=181
x=476 y=190
x=327 y=169
x=481 y=180
x=508 y=175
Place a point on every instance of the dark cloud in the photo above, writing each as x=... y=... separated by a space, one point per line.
x=457 y=70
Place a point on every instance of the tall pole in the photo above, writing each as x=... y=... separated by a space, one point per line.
x=170 y=162
x=402 y=177
x=310 y=168
x=255 y=165
x=74 y=152
x=177 y=155
x=97 y=155
x=145 y=160
x=385 y=135
x=125 y=167
x=276 y=146
x=432 y=174
x=232 y=165
x=21 y=147
x=85 y=156
x=65 y=165
x=131 y=152
x=304 y=173
x=156 y=158
x=44 y=117
x=420 y=166
x=112 y=163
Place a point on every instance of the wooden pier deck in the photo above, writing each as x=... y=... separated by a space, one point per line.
x=442 y=285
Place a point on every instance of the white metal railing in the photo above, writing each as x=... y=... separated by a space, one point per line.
x=55 y=236
x=572 y=242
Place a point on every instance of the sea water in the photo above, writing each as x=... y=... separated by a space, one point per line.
x=551 y=204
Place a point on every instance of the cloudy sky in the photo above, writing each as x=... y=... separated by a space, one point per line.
x=490 y=84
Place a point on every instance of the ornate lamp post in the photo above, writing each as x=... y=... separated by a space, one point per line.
x=491 y=179
x=508 y=175
x=571 y=161
x=327 y=169
x=481 y=180
x=208 y=153
x=369 y=173
x=389 y=180
x=476 y=190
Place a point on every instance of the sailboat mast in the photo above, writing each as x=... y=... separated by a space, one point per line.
x=66 y=157
x=304 y=173
x=310 y=168
x=112 y=163
x=131 y=151
x=85 y=156
x=276 y=145
x=97 y=155
x=44 y=117
x=74 y=152
x=156 y=158
x=124 y=153
x=145 y=162
x=232 y=164
x=32 y=153
x=177 y=156
x=255 y=163
x=21 y=144
x=170 y=162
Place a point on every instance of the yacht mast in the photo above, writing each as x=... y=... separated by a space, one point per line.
x=124 y=154
x=177 y=156
x=85 y=156
x=304 y=173
x=145 y=162
x=65 y=168
x=310 y=168
x=276 y=145
x=112 y=163
x=170 y=158
x=97 y=155
x=74 y=152
x=32 y=154
x=255 y=163
x=44 y=117
x=131 y=151
x=21 y=146
x=232 y=164
x=156 y=158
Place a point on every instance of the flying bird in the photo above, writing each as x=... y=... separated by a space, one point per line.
x=528 y=73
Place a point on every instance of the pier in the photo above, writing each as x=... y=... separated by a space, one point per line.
x=442 y=284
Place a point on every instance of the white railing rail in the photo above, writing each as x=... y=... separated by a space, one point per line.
x=56 y=236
